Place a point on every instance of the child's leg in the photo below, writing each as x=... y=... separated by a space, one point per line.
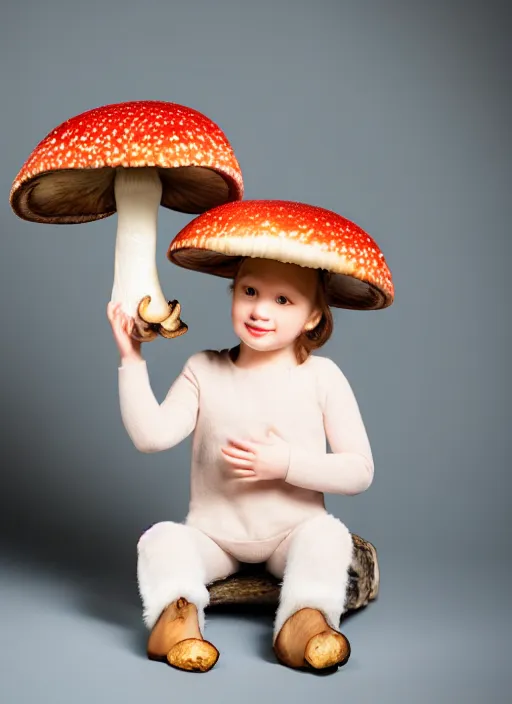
x=176 y=560
x=313 y=561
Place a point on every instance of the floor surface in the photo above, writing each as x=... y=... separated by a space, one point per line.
x=78 y=638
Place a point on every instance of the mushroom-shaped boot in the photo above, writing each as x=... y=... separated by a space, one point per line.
x=131 y=158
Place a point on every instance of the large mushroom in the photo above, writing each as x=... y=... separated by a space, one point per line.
x=130 y=158
x=216 y=241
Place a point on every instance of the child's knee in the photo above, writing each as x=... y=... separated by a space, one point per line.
x=159 y=534
x=326 y=526
x=324 y=534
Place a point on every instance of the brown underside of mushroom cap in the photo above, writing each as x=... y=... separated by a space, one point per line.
x=69 y=177
x=217 y=241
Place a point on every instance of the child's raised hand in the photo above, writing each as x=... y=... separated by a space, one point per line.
x=122 y=327
x=258 y=460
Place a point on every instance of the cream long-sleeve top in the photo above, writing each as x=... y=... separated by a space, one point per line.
x=308 y=405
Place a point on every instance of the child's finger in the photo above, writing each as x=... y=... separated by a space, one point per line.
x=239 y=454
x=246 y=445
x=239 y=464
x=245 y=473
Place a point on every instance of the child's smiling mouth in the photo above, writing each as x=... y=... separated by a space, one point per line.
x=257 y=332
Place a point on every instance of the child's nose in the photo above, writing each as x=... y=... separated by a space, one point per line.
x=260 y=311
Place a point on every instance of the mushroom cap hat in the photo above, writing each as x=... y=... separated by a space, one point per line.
x=216 y=241
x=69 y=176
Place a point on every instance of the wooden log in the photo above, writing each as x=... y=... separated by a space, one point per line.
x=253 y=585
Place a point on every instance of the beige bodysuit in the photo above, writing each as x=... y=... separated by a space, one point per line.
x=215 y=399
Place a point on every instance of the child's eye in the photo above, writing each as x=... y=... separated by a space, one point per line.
x=249 y=291
x=282 y=300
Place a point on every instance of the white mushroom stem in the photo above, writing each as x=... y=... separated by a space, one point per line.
x=138 y=193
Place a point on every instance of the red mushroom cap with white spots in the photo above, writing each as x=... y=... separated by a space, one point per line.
x=69 y=177
x=216 y=241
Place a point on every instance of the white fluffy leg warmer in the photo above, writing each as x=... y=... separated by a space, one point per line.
x=316 y=573
x=170 y=566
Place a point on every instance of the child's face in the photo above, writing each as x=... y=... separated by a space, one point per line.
x=276 y=298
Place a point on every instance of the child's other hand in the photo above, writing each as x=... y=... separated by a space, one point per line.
x=122 y=327
x=258 y=459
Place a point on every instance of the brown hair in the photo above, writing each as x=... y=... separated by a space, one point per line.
x=310 y=340
x=314 y=339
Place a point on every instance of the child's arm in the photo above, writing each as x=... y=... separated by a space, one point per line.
x=349 y=469
x=151 y=426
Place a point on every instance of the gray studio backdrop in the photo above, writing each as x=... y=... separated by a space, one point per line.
x=393 y=114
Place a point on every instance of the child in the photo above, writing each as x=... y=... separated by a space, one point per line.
x=260 y=414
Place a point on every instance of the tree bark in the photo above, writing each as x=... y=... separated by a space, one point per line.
x=252 y=584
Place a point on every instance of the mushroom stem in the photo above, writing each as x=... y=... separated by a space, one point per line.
x=138 y=193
